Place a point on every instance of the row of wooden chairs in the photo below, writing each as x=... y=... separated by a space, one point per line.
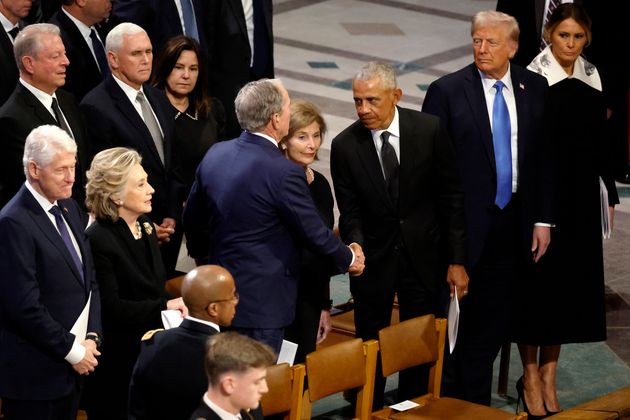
x=352 y=365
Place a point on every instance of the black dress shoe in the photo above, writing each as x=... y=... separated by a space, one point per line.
x=521 y=397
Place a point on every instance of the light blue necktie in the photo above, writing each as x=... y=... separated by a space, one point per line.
x=189 y=19
x=501 y=138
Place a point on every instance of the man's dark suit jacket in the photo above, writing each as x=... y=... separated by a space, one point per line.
x=113 y=121
x=8 y=67
x=429 y=218
x=159 y=18
x=229 y=54
x=169 y=375
x=18 y=117
x=83 y=74
x=41 y=296
x=203 y=412
x=458 y=99
x=250 y=211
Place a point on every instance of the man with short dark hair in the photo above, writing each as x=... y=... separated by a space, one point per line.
x=250 y=211
x=11 y=14
x=37 y=100
x=169 y=375
x=236 y=367
x=78 y=20
x=49 y=302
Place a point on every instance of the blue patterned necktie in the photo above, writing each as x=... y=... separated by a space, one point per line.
x=501 y=139
x=65 y=235
x=189 y=19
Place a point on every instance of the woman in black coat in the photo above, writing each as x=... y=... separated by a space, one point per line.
x=129 y=271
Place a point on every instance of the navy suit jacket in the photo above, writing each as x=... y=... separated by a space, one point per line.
x=83 y=74
x=458 y=99
x=159 y=18
x=41 y=296
x=113 y=121
x=170 y=369
x=250 y=211
x=23 y=112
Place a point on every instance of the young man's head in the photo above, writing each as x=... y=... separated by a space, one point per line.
x=237 y=367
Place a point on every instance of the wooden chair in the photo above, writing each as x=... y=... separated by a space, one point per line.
x=174 y=286
x=417 y=342
x=286 y=385
x=340 y=367
x=617 y=402
x=574 y=414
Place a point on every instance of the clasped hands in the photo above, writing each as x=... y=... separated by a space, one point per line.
x=357 y=267
x=165 y=230
x=89 y=362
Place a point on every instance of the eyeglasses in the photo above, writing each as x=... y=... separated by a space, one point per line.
x=235 y=297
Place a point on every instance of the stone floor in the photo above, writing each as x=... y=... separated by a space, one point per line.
x=320 y=44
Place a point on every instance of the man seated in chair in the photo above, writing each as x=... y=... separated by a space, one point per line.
x=169 y=374
x=237 y=367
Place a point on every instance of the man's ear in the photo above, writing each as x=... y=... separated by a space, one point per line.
x=227 y=384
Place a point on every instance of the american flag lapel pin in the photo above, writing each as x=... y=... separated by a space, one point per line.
x=65 y=209
x=522 y=86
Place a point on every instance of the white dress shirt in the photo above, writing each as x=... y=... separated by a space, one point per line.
x=46 y=100
x=132 y=94
x=394 y=138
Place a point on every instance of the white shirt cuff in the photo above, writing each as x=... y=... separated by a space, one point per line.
x=353 y=256
x=76 y=354
x=550 y=225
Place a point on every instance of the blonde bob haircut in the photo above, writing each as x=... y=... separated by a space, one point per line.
x=107 y=180
x=303 y=114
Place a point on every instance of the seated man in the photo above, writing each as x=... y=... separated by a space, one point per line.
x=237 y=367
x=169 y=375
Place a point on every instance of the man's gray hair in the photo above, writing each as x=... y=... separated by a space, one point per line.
x=256 y=103
x=377 y=70
x=43 y=143
x=28 y=42
x=493 y=18
x=114 y=40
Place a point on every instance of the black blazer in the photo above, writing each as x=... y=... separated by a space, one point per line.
x=41 y=297
x=170 y=370
x=429 y=218
x=8 y=67
x=113 y=121
x=83 y=74
x=18 y=117
x=159 y=18
x=458 y=99
x=203 y=412
x=229 y=53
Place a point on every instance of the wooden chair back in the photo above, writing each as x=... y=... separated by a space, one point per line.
x=286 y=386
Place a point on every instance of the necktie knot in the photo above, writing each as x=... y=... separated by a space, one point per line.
x=499 y=86
x=14 y=32
x=140 y=97
x=385 y=136
x=54 y=210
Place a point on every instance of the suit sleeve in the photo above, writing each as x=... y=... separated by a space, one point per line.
x=298 y=209
x=11 y=170
x=436 y=103
x=196 y=218
x=347 y=200
x=20 y=303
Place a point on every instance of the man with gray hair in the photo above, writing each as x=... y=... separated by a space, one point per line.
x=123 y=111
x=38 y=100
x=250 y=211
x=400 y=198
x=49 y=302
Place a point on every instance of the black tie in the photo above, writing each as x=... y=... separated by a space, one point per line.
x=390 y=166
x=14 y=32
x=61 y=121
x=99 y=52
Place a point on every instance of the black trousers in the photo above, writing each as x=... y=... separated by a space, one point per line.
x=64 y=408
x=485 y=311
x=373 y=312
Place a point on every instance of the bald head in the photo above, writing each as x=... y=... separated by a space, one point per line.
x=210 y=294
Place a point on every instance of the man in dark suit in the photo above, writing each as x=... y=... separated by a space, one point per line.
x=84 y=47
x=234 y=57
x=49 y=302
x=164 y=19
x=250 y=211
x=11 y=13
x=37 y=100
x=400 y=199
x=493 y=111
x=236 y=367
x=124 y=111
x=169 y=375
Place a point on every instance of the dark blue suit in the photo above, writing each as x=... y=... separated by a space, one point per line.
x=250 y=211
x=499 y=241
x=169 y=375
x=41 y=296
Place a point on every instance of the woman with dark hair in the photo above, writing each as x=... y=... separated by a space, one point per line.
x=563 y=301
x=199 y=120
